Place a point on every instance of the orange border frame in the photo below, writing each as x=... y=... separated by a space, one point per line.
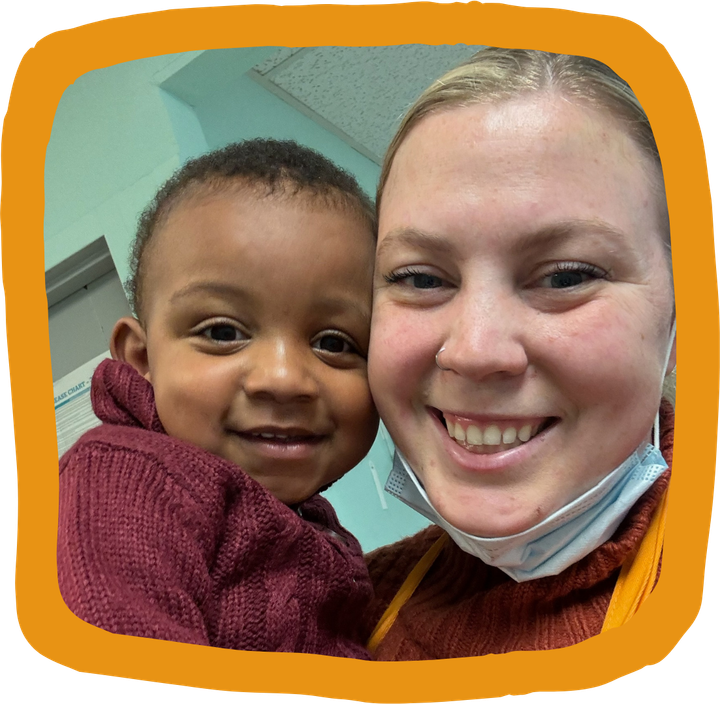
x=55 y=632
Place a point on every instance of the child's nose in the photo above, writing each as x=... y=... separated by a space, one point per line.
x=279 y=370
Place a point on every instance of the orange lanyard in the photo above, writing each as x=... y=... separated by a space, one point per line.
x=636 y=580
x=405 y=592
x=638 y=574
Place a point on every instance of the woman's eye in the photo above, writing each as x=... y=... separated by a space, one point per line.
x=414 y=279
x=565 y=279
x=426 y=281
x=571 y=275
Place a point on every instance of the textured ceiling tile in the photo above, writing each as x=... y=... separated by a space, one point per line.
x=364 y=91
x=275 y=60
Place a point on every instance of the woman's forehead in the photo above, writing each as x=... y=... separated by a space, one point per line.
x=539 y=157
x=538 y=121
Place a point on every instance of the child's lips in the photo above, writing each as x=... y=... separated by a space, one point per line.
x=282 y=443
x=283 y=434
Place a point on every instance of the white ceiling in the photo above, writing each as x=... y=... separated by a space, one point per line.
x=358 y=93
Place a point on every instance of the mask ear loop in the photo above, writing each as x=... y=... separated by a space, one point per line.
x=656 y=425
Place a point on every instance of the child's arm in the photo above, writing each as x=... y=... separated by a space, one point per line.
x=133 y=548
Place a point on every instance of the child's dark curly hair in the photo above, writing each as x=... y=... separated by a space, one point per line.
x=273 y=166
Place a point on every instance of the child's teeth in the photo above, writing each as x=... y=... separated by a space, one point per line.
x=459 y=433
x=509 y=435
x=474 y=435
x=525 y=432
x=492 y=436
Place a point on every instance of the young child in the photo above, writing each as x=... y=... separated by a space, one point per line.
x=236 y=394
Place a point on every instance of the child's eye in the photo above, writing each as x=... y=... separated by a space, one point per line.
x=334 y=343
x=222 y=332
x=571 y=274
x=415 y=279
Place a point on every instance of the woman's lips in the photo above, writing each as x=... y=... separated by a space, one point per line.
x=488 y=436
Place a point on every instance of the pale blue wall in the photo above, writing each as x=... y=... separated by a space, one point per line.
x=119 y=132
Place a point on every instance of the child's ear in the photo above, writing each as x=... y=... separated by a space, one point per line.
x=128 y=343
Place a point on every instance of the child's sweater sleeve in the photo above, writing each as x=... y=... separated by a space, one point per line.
x=134 y=545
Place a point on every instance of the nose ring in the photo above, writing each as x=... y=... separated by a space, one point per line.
x=437 y=361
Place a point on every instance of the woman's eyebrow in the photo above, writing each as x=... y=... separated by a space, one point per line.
x=413 y=237
x=543 y=238
x=567 y=230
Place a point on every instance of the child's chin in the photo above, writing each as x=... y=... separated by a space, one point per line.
x=325 y=487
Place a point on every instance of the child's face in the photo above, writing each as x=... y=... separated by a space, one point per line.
x=257 y=321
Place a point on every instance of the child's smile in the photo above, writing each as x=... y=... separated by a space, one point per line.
x=256 y=318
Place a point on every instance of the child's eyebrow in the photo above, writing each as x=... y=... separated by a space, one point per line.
x=341 y=304
x=204 y=287
x=330 y=305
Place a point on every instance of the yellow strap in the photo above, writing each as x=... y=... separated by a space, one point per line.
x=405 y=592
x=638 y=574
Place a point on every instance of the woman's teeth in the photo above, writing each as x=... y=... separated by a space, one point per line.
x=490 y=437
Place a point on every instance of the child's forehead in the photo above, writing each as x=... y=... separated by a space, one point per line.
x=279 y=193
x=244 y=234
x=213 y=200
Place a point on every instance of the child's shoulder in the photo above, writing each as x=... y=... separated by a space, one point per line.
x=125 y=403
x=133 y=456
x=107 y=440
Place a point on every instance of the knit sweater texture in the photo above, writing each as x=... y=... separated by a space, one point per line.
x=161 y=539
x=464 y=607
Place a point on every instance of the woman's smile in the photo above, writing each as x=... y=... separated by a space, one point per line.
x=489 y=435
x=490 y=444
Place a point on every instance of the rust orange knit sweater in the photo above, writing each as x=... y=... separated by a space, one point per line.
x=464 y=607
x=158 y=538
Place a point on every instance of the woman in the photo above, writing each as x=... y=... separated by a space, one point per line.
x=523 y=325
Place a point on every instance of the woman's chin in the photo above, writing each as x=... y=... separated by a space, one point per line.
x=486 y=522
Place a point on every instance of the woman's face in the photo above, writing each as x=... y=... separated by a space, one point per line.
x=523 y=239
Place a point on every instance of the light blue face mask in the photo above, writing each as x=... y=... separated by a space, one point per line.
x=564 y=537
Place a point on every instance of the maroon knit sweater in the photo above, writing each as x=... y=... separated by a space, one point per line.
x=159 y=538
x=463 y=607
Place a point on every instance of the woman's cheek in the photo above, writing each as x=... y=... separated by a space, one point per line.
x=396 y=342
x=401 y=356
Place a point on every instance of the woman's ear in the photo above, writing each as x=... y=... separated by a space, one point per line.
x=128 y=343
x=671 y=357
x=672 y=363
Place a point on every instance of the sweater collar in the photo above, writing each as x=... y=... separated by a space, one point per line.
x=121 y=396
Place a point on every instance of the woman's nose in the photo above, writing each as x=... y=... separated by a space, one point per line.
x=487 y=337
x=279 y=371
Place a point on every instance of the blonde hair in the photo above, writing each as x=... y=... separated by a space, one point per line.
x=494 y=75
